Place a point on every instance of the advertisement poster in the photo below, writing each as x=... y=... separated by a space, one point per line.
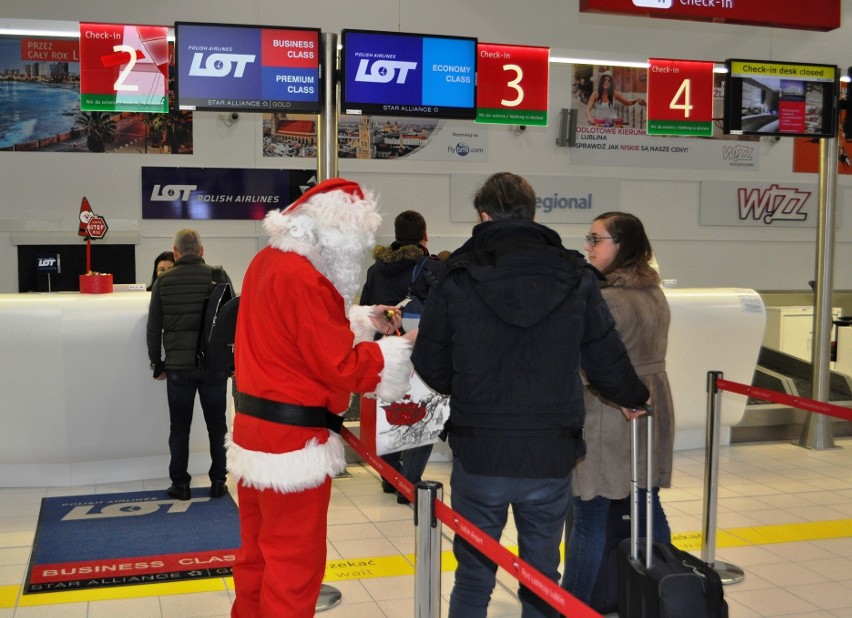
x=124 y=68
x=611 y=118
x=378 y=138
x=40 y=107
x=219 y=193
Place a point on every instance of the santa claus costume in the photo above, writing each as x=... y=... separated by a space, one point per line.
x=298 y=356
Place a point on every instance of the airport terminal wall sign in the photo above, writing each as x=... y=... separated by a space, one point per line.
x=124 y=68
x=512 y=84
x=680 y=97
x=820 y=15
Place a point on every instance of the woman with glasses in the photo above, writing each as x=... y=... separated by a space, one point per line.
x=600 y=110
x=619 y=248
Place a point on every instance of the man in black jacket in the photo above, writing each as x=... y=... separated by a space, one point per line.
x=174 y=319
x=506 y=331
x=388 y=282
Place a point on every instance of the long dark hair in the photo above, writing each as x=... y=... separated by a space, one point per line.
x=610 y=91
x=627 y=230
x=165 y=255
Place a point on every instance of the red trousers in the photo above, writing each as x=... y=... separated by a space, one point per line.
x=280 y=566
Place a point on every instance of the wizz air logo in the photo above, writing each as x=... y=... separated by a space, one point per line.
x=170 y=193
x=737 y=153
x=383 y=71
x=773 y=204
x=220 y=65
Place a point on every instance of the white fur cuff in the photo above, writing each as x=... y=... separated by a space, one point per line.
x=360 y=323
x=287 y=472
x=396 y=375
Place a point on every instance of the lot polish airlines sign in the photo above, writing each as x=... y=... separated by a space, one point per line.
x=799 y=14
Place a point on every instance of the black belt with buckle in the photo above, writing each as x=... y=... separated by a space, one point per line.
x=288 y=413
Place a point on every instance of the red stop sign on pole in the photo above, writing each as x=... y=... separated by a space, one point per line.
x=97 y=227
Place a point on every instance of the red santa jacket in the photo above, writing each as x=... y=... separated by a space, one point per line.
x=294 y=344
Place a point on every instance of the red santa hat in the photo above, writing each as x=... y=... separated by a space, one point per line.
x=336 y=211
x=327 y=186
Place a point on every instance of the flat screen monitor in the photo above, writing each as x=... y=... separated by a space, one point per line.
x=399 y=74
x=224 y=67
x=780 y=99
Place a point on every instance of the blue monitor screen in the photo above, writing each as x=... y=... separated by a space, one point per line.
x=396 y=74
x=221 y=67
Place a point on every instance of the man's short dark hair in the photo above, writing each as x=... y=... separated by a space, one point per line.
x=188 y=242
x=506 y=196
x=409 y=225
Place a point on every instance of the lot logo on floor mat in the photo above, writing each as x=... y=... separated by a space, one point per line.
x=131 y=538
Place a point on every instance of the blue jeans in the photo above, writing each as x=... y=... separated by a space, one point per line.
x=539 y=507
x=212 y=389
x=586 y=540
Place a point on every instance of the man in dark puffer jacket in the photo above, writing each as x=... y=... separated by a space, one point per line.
x=505 y=332
x=174 y=319
x=388 y=282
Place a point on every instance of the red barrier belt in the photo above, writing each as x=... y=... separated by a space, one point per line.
x=797 y=402
x=543 y=587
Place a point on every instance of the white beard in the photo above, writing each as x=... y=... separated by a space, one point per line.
x=333 y=232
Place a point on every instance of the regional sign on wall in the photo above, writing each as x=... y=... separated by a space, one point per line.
x=800 y=14
x=559 y=199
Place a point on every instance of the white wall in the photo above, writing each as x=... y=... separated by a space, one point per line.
x=42 y=191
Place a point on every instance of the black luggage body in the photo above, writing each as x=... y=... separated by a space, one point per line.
x=669 y=583
x=605 y=593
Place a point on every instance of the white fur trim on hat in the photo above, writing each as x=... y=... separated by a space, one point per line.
x=360 y=322
x=287 y=472
x=395 y=378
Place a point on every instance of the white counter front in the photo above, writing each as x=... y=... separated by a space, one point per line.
x=80 y=406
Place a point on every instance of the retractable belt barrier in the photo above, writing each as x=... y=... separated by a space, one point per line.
x=802 y=403
x=543 y=587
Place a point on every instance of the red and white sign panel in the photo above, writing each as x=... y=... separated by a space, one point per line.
x=124 y=68
x=680 y=97
x=512 y=84
x=50 y=50
x=799 y=14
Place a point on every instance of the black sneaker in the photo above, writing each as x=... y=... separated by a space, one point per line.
x=387 y=487
x=179 y=492
x=401 y=499
x=218 y=489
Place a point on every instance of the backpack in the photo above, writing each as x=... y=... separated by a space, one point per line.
x=412 y=305
x=210 y=353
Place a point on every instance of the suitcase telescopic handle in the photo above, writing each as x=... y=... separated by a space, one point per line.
x=634 y=488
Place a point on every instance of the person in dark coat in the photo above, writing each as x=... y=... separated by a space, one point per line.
x=514 y=318
x=388 y=282
x=174 y=319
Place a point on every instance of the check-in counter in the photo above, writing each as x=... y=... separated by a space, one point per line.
x=79 y=403
x=80 y=406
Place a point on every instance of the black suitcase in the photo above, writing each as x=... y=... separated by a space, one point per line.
x=669 y=582
x=605 y=593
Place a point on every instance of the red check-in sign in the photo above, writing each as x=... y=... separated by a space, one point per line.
x=680 y=97
x=124 y=68
x=511 y=85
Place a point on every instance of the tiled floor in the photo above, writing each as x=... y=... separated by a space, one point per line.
x=769 y=489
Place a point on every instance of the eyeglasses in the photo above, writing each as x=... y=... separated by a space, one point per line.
x=593 y=239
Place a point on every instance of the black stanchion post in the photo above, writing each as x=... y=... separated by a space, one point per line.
x=427 y=550
x=729 y=573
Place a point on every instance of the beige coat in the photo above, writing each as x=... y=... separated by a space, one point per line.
x=641 y=314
